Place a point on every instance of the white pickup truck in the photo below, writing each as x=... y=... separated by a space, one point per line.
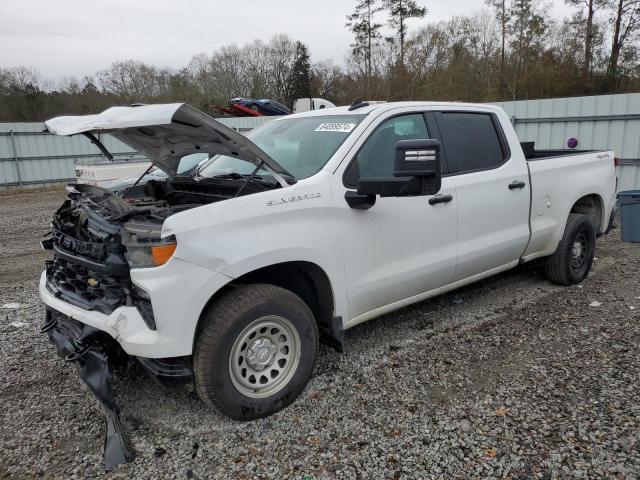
x=313 y=224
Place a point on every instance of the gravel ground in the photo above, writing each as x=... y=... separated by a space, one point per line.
x=512 y=377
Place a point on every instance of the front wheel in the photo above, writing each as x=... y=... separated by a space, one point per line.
x=573 y=258
x=255 y=352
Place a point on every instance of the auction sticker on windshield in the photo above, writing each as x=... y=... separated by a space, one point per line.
x=336 y=127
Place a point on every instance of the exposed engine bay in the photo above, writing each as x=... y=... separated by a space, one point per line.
x=157 y=200
x=97 y=236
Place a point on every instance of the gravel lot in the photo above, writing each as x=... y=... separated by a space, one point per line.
x=509 y=378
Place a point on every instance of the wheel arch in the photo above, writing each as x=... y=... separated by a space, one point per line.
x=591 y=205
x=305 y=279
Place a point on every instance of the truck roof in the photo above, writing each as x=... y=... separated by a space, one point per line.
x=384 y=107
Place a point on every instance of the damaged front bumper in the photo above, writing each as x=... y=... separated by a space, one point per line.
x=178 y=292
x=96 y=354
x=96 y=329
x=125 y=324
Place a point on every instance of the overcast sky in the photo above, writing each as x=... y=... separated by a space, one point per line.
x=77 y=37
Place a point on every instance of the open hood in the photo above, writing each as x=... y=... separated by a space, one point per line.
x=165 y=133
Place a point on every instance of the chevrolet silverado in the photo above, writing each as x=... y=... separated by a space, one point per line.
x=310 y=225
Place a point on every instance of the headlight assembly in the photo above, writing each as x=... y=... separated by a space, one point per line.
x=144 y=247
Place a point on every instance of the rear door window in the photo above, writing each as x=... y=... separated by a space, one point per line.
x=471 y=141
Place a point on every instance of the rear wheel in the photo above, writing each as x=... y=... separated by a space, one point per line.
x=573 y=258
x=255 y=352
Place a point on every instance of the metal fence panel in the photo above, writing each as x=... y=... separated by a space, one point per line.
x=597 y=122
x=600 y=122
x=29 y=155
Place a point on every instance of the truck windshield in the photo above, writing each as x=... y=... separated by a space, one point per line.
x=301 y=145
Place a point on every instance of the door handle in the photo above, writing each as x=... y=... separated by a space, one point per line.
x=440 y=199
x=516 y=184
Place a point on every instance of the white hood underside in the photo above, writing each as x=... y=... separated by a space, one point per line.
x=165 y=133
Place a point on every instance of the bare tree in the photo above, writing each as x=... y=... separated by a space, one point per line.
x=281 y=54
x=626 y=24
x=516 y=51
x=134 y=81
x=502 y=13
x=21 y=78
x=586 y=17
x=328 y=81
x=527 y=28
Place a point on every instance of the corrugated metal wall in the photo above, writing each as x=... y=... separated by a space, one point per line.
x=597 y=122
x=28 y=155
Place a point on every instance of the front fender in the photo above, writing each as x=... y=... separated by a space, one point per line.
x=241 y=235
x=297 y=254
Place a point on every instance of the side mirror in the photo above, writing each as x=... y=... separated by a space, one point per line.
x=416 y=172
x=418 y=158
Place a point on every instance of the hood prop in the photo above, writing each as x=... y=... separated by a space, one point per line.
x=92 y=138
x=124 y=194
x=249 y=178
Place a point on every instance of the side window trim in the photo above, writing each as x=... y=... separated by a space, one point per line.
x=355 y=156
x=502 y=140
x=432 y=127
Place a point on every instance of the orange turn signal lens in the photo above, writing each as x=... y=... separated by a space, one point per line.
x=162 y=253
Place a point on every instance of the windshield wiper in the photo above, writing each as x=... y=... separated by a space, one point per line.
x=237 y=176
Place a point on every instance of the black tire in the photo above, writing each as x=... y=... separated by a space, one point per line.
x=223 y=324
x=565 y=266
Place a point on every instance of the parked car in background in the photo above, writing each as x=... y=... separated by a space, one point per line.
x=243 y=107
x=248 y=107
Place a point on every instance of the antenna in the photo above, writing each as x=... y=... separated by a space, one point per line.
x=358 y=103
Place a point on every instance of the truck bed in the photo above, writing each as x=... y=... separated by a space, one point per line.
x=531 y=154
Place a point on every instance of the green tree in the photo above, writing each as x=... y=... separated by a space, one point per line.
x=366 y=33
x=399 y=12
x=300 y=79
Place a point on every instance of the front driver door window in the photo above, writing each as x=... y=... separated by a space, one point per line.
x=402 y=246
x=376 y=157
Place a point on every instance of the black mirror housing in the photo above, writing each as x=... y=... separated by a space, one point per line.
x=416 y=172
x=420 y=159
x=417 y=158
